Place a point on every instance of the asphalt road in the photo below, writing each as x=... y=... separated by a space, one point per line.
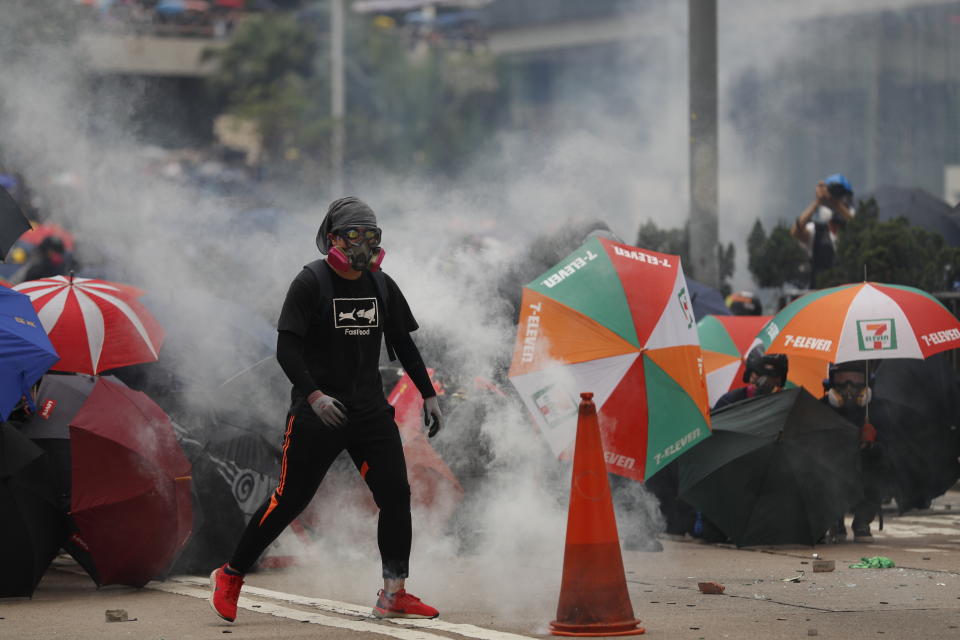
x=920 y=598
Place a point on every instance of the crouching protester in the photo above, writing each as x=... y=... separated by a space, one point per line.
x=848 y=392
x=335 y=315
x=763 y=373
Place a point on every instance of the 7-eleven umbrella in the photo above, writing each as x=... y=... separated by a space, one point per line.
x=95 y=325
x=864 y=321
x=616 y=321
x=725 y=341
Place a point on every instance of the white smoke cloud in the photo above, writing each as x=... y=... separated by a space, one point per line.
x=448 y=247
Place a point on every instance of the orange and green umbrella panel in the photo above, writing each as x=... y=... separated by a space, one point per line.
x=863 y=321
x=725 y=341
x=617 y=321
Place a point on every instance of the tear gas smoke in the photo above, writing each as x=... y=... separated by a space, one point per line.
x=460 y=255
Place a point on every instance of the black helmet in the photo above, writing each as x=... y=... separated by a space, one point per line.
x=773 y=364
x=854 y=366
x=765 y=364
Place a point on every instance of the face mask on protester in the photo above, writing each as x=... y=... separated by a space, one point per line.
x=766 y=384
x=849 y=395
x=362 y=249
x=355 y=222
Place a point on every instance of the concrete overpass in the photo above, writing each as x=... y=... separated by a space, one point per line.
x=172 y=56
x=148 y=55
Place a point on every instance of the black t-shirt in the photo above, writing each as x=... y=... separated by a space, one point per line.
x=342 y=348
x=822 y=250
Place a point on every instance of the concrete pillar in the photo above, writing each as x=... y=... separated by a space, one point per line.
x=337 y=98
x=704 y=155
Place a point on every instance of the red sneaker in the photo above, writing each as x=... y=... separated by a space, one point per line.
x=402 y=605
x=225 y=591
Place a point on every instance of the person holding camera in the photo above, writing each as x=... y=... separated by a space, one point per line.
x=818 y=225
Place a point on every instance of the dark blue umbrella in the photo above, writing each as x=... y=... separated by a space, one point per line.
x=25 y=349
x=169 y=7
x=706 y=300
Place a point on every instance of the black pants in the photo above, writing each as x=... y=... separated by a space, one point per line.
x=309 y=448
x=872 y=474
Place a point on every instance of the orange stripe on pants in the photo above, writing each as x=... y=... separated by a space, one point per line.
x=275 y=498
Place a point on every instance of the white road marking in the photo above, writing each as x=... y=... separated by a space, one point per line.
x=914 y=526
x=303 y=616
x=346 y=608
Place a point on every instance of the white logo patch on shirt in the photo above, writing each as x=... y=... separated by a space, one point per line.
x=352 y=314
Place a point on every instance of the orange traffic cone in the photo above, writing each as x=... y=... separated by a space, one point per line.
x=593 y=594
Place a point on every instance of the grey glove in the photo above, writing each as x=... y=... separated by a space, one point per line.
x=432 y=416
x=330 y=410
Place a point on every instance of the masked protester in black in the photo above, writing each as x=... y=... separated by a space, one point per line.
x=848 y=392
x=50 y=258
x=763 y=374
x=335 y=316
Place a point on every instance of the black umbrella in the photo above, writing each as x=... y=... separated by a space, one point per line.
x=248 y=416
x=916 y=410
x=919 y=207
x=59 y=399
x=778 y=469
x=33 y=526
x=225 y=496
x=235 y=450
x=218 y=520
x=12 y=222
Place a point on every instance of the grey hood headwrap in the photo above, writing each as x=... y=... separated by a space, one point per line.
x=345 y=212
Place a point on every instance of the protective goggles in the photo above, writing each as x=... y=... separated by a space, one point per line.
x=849 y=387
x=356 y=235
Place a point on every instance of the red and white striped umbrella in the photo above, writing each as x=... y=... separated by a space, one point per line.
x=95 y=325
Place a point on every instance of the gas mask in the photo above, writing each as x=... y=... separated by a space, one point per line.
x=849 y=395
x=766 y=384
x=362 y=251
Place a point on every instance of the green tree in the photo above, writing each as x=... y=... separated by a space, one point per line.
x=892 y=252
x=677 y=242
x=405 y=110
x=428 y=109
x=777 y=259
x=755 y=242
x=266 y=75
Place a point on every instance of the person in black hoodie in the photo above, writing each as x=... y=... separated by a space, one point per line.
x=49 y=258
